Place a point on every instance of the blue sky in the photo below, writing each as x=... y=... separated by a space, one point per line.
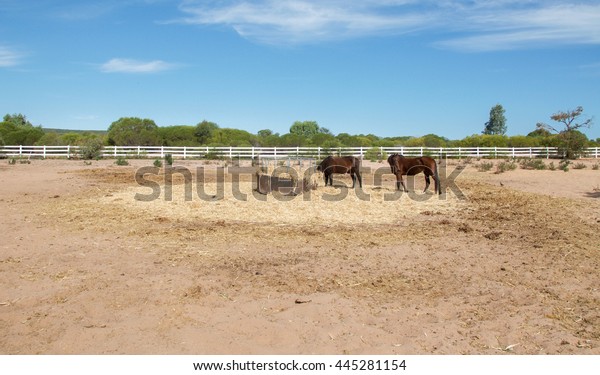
x=387 y=67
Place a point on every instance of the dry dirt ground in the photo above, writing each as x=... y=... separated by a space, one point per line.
x=500 y=263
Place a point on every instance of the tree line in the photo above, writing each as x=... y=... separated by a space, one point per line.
x=133 y=131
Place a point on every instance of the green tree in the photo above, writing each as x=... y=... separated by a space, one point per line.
x=571 y=141
x=133 y=131
x=204 y=131
x=178 y=135
x=304 y=128
x=17 y=130
x=497 y=122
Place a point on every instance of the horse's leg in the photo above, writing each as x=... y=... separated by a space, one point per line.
x=353 y=179
x=359 y=179
x=427 y=182
x=400 y=182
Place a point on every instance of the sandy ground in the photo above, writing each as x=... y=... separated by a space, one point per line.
x=500 y=263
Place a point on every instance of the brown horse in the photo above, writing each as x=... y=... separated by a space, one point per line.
x=343 y=165
x=402 y=166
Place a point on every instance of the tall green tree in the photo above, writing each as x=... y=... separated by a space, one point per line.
x=133 y=131
x=17 y=130
x=304 y=128
x=204 y=131
x=571 y=140
x=497 y=122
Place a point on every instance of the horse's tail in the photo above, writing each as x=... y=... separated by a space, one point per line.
x=392 y=163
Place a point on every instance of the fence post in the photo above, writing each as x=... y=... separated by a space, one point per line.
x=252 y=152
x=68 y=151
x=115 y=150
x=319 y=152
x=20 y=150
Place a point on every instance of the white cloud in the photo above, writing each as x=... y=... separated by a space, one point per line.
x=135 y=66
x=534 y=27
x=478 y=25
x=9 y=57
x=306 y=21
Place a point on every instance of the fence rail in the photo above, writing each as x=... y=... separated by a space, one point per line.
x=185 y=152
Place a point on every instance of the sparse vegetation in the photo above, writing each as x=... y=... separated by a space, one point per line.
x=485 y=166
x=564 y=165
x=579 y=166
x=91 y=149
x=536 y=164
x=121 y=161
x=158 y=163
x=505 y=166
x=169 y=159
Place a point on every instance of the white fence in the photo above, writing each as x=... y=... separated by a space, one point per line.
x=285 y=152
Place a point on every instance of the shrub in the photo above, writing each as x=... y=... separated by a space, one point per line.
x=158 y=163
x=169 y=159
x=579 y=166
x=551 y=166
x=121 y=161
x=536 y=164
x=595 y=167
x=505 y=166
x=91 y=149
x=564 y=165
x=484 y=167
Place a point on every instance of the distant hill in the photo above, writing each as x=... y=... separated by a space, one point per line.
x=64 y=131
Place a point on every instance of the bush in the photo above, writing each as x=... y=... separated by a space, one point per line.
x=169 y=159
x=536 y=164
x=91 y=149
x=579 y=166
x=158 y=163
x=506 y=166
x=121 y=161
x=485 y=166
x=564 y=165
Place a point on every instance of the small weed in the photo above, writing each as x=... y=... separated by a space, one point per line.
x=595 y=167
x=564 y=165
x=169 y=159
x=484 y=167
x=536 y=164
x=579 y=166
x=158 y=163
x=551 y=166
x=12 y=161
x=121 y=161
x=505 y=166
